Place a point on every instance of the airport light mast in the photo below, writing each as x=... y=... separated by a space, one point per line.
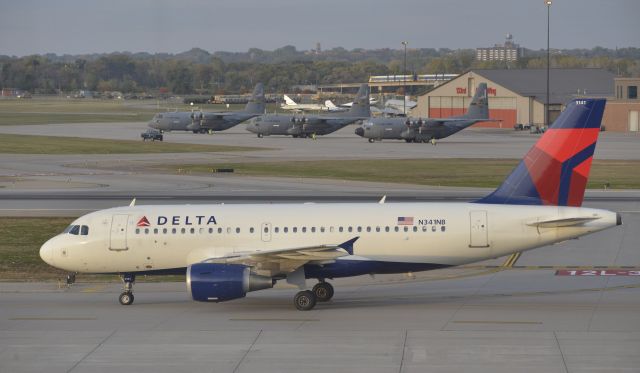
x=546 y=106
x=404 y=80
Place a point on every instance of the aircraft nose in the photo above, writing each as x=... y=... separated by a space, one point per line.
x=360 y=131
x=46 y=252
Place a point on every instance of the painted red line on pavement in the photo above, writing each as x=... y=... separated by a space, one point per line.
x=597 y=272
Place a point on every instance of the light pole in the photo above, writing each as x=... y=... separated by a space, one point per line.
x=546 y=106
x=404 y=80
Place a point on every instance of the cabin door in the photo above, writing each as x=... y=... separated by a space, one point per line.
x=118 y=235
x=479 y=235
x=265 y=231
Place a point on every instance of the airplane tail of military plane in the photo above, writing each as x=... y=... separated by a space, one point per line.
x=556 y=168
x=479 y=106
x=360 y=107
x=256 y=104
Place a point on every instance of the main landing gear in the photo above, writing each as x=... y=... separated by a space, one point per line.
x=126 y=298
x=307 y=299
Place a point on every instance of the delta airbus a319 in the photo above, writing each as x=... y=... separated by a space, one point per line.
x=226 y=251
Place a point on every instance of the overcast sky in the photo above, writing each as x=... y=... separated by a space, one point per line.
x=87 y=26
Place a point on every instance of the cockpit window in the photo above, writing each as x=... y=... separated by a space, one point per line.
x=77 y=230
x=72 y=229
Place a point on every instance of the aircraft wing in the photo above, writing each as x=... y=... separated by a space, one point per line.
x=286 y=260
x=220 y=115
x=439 y=122
x=325 y=119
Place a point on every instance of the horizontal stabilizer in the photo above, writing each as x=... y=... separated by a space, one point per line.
x=567 y=222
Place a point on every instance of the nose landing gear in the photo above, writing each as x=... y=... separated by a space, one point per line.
x=126 y=298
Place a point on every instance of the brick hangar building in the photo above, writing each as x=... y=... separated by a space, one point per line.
x=517 y=96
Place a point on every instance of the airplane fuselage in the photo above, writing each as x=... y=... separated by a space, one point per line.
x=397 y=129
x=287 y=125
x=171 y=121
x=405 y=236
x=215 y=122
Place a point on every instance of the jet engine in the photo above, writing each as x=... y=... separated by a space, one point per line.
x=215 y=282
x=300 y=120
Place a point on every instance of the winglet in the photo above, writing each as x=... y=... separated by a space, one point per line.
x=348 y=246
x=133 y=202
x=383 y=199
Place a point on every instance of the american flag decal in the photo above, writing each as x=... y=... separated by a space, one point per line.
x=405 y=220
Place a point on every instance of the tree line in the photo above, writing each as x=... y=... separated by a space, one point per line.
x=198 y=72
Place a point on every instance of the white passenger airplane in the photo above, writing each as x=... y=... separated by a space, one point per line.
x=289 y=104
x=229 y=250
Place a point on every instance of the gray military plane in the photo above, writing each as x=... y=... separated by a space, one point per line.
x=206 y=122
x=311 y=125
x=430 y=129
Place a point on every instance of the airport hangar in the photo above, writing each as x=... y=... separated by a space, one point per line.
x=517 y=96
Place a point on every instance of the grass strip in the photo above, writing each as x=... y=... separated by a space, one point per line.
x=29 y=144
x=454 y=172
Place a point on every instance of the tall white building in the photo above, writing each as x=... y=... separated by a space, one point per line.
x=509 y=51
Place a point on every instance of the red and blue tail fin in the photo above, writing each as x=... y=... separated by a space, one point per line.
x=556 y=168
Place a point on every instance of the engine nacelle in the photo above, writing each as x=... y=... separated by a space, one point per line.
x=214 y=282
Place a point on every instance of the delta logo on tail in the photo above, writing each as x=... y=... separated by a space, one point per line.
x=556 y=169
x=143 y=222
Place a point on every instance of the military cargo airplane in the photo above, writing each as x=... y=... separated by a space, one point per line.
x=206 y=122
x=311 y=125
x=430 y=129
x=227 y=250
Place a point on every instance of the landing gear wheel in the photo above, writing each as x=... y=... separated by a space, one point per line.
x=323 y=291
x=433 y=141
x=126 y=298
x=304 y=300
x=71 y=279
x=372 y=140
x=259 y=135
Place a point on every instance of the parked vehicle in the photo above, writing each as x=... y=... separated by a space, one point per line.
x=152 y=135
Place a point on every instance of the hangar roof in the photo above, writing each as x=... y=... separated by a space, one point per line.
x=564 y=84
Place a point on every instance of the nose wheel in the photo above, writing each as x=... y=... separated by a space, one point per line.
x=126 y=297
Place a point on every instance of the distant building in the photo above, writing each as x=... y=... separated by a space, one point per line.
x=509 y=51
x=516 y=96
x=622 y=113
